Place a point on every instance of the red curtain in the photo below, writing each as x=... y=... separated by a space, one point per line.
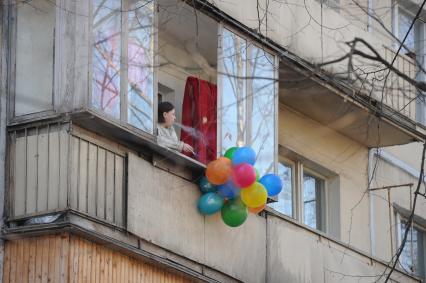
x=199 y=116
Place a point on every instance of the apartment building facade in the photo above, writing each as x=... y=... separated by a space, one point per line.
x=90 y=196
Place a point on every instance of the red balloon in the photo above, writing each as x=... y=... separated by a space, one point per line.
x=243 y=175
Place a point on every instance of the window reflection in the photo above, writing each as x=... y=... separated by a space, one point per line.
x=106 y=56
x=412 y=257
x=140 y=65
x=262 y=72
x=232 y=63
x=130 y=48
x=312 y=195
x=284 y=204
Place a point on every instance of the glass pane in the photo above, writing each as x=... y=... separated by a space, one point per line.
x=140 y=65
x=232 y=73
x=106 y=56
x=285 y=198
x=262 y=82
x=412 y=256
x=404 y=22
x=312 y=198
x=34 y=57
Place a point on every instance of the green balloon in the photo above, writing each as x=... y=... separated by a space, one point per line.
x=234 y=212
x=230 y=152
x=257 y=174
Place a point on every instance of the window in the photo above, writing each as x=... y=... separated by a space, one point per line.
x=313 y=201
x=304 y=195
x=414 y=45
x=412 y=257
x=284 y=204
x=123 y=61
x=247 y=98
x=35 y=36
x=334 y=4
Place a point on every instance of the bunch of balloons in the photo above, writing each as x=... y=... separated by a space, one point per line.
x=232 y=185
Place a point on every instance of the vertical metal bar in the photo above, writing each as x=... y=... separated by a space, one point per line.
x=87 y=177
x=78 y=174
x=48 y=165
x=59 y=164
x=26 y=170
x=113 y=196
x=96 y=181
x=105 y=184
x=37 y=160
x=69 y=164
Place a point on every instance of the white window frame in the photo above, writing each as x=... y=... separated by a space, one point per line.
x=298 y=170
x=399 y=236
x=323 y=199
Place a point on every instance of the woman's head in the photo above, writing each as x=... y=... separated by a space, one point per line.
x=166 y=114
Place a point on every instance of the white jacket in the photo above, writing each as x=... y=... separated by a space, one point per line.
x=167 y=137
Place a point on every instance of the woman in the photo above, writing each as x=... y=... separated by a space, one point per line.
x=166 y=133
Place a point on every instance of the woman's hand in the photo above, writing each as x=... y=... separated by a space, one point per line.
x=188 y=148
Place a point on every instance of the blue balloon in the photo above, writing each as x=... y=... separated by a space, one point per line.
x=228 y=190
x=206 y=186
x=209 y=203
x=272 y=183
x=244 y=155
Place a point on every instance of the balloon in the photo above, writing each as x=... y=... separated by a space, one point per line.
x=272 y=183
x=228 y=190
x=219 y=170
x=230 y=152
x=234 y=213
x=206 y=186
x=209 y=203
x=244 y=155
x=256 y=209
x=257 y=174
x=254 y=196
x=243 y=175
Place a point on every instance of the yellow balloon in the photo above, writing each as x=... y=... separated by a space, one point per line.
x=255 y=195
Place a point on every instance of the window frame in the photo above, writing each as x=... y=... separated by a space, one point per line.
x=299 y=169
x=323 y=209
x=400 y=220
x=420 y=49
x=249 y=101
x=123 y=117
x=11 y=28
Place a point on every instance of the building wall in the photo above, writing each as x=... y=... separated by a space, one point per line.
x=345 y=158
x=68 y=258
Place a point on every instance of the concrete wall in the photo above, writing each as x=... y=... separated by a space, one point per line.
x=341 y=155
x=162 y=210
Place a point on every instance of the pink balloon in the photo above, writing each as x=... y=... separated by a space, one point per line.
x=243 y=175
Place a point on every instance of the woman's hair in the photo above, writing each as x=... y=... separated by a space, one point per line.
x=164 y=107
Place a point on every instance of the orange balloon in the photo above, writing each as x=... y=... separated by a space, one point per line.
x=256 y=209
x=219 y=170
